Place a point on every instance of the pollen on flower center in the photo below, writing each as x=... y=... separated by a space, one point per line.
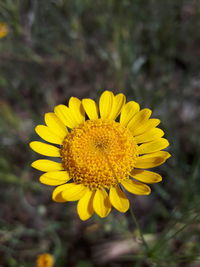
x=99 y=153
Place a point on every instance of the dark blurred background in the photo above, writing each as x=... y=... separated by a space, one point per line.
x=54 y=49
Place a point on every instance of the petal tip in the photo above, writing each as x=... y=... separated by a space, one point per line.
x=31 y=144
x=148 y=191
x=168 y=155
x=34 y=164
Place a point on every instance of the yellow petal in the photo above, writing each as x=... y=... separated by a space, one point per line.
x=45 y=133
x=146 y=176
x=105 y=104
x=149 y=136
x=101 y=203
x=45 y=149
x=118 y=199
x=118 y=103
x=128 y=111
x=65 y=115
x=46 y=165
x=85 y=207
x=90 y=108
x=153 y=146
x=136 y=188
x=73 y=192
x=55 y=178
x=77 y=110
x=152 y=160
x=141 y=117
x=145 y=126
x=55 y=125
x=57 y=193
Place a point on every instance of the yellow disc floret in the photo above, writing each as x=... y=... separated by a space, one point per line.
x=99 y=153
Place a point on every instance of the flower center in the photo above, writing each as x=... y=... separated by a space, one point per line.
x=99 y=153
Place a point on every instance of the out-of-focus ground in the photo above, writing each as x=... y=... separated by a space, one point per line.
x=150 y=51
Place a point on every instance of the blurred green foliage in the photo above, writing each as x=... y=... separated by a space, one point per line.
x=148 y=50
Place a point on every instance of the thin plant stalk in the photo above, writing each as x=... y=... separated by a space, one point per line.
x=139 y=228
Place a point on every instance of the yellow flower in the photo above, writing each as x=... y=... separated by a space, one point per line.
x=45 y=260
x=104 y=148
x=4 y=29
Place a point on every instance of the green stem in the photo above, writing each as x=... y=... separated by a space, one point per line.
x=139 y=228
x=131 y=210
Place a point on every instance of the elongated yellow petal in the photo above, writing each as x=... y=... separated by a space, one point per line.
x=163 y=154
x=152 y=160
x=118 y=199
x=145 y=126
x=55 y=125
x=153 y=146
x=118 y=103
x=65 y=115
x=105 y=104
x=45 y=149
x=101 y=203
x=149 y=136
x=146 y=176
x=46 y=165
x=55 y=178
x=141 y=117
x=74 y=192
x=90 y=108
x=136 y=188
x=57 y=193
x=128 y=111
x=45 y=133
x=85 y=207
x=77 y=110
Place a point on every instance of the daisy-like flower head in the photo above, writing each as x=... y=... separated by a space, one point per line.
x=4 y=30
x=45 y=260
x=104 y=149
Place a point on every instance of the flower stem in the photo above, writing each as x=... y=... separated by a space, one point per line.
x=139 y=228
